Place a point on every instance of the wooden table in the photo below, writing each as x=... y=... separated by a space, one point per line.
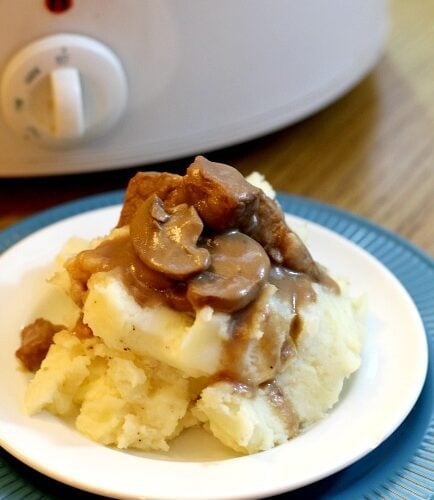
x=371 y=153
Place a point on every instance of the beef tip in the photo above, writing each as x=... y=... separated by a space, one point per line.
x=225 y=200
x=36 y=339
x=168 y=187
x=268 y=227
x=220 y=194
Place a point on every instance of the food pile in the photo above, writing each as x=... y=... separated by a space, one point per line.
x=202 y=307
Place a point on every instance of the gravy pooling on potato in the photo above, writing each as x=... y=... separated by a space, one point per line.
x=194 y=236
x=210 y=238
x=201 y=307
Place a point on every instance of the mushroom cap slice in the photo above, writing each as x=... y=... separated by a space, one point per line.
x=167 y=242
x=239 y=268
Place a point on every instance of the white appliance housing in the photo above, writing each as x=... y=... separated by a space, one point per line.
x=194 y=75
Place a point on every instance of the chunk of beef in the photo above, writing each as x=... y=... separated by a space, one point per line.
x=220 y=194
x=224 y=200
x=268 y=227
x=168 y=187
x=36 y=339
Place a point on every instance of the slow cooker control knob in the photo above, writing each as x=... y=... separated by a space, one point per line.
x=67 y=103
x=63 y=89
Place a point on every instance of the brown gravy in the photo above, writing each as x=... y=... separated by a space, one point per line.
x=236 y=280
x=208 y=238
x=296 y=290
x=148 y=287
x=282 y=406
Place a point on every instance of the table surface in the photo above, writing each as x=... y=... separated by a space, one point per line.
x=371 y=152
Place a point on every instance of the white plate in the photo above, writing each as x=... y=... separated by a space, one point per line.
x=376 y=400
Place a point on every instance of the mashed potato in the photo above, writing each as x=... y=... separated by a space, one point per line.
x=146 y=372
x=115 y=397
x=145 y=375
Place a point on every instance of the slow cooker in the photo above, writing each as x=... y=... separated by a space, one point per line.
x=89 y=85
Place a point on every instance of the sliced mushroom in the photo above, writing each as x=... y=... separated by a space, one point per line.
x=239 y=268
x=225 y=200
x=167 y=242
